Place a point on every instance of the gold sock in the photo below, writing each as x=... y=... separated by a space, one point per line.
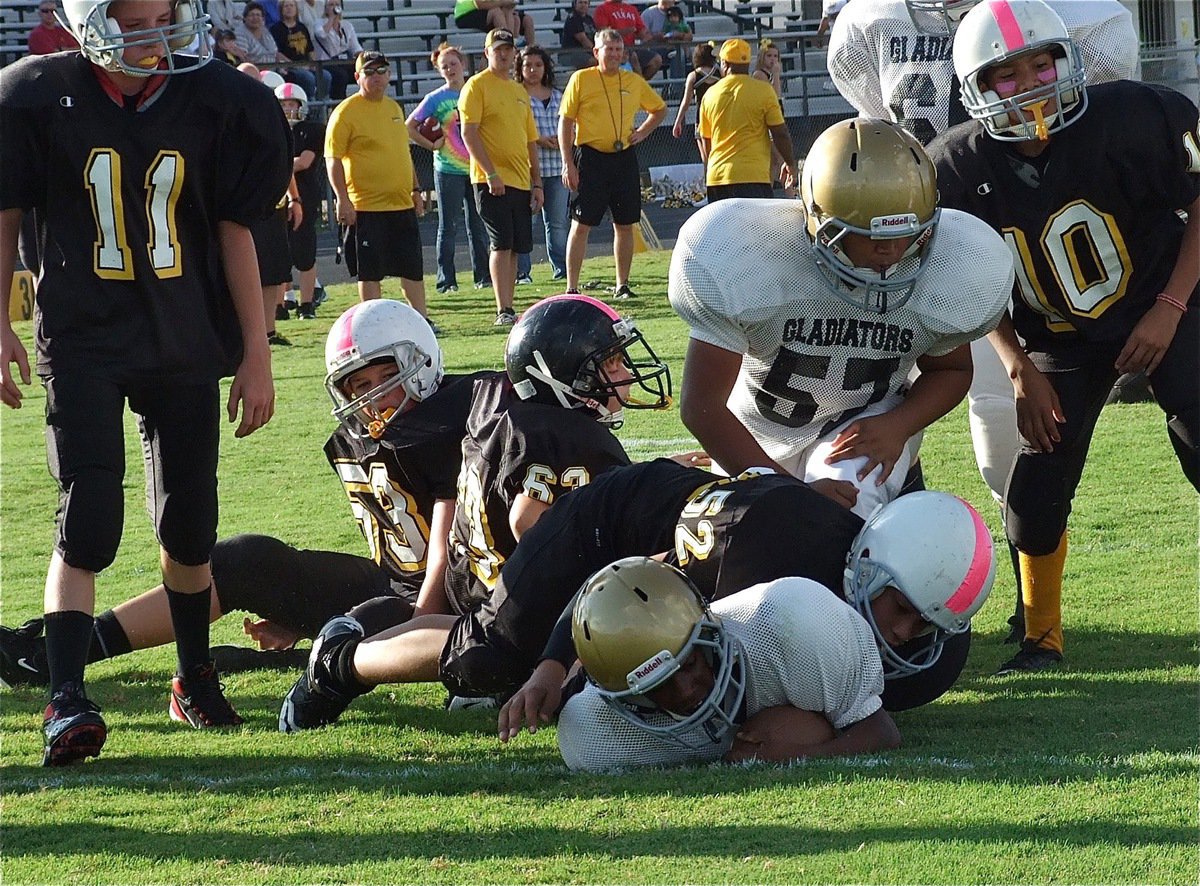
x=1041 y=593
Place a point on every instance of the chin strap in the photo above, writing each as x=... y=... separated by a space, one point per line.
x=566 y=396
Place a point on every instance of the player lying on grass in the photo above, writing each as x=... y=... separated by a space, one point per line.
x=397 y=452
x=916 y=572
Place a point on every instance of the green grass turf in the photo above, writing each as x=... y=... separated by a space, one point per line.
x=1084 y=774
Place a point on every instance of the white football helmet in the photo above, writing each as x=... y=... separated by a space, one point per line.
x=935 y=549
x=938 y=16
x=635 y=623
x=271 y=79
x=869 y=177
x=374 y=331
x=993 y=33
x=102 y=42
x=292 y=92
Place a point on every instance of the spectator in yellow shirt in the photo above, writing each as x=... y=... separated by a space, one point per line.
x=501 y=137
x=597 y=139
x=739 y=119
x=378 y=197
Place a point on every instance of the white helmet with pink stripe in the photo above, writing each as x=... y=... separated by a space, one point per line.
x=380 y=331
x=935 y=549
x=991 y=35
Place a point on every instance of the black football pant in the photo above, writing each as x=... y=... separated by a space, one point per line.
x=1042 y=484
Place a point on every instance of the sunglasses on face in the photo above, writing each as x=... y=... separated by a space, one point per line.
x=371 y=72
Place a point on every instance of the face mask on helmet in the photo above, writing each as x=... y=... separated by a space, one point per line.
x=578 y=353
x=935 y=549
x=1000 y=33
x=871 y=178
x=939 y=17
x=636 y=623
x=371 y=333
x=290 y=92
x=103 y=43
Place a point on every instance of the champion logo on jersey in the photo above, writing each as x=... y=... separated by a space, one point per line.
x=67 y=101
x=984 y=189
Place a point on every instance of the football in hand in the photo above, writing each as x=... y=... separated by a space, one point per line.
x=430 y=129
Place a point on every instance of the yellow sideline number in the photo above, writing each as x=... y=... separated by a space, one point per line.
x=20 y=299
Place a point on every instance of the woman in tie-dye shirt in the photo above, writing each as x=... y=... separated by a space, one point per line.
x=451 y=165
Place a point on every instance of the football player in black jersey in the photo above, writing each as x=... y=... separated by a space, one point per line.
x=1089 y=186
x=531 y=437
x=396 y=451
x=146 y=169
x=308 y=142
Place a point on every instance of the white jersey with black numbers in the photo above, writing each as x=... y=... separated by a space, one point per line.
x=801 y=646
x=886 y=68
x=745 y=279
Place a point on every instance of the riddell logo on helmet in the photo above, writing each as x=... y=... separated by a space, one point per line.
x=648 y=668
x=894 y=221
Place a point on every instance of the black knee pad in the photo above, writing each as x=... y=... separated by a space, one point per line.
x=91 y=512
x=381 y=613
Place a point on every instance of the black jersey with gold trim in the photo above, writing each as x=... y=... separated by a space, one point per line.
x=129 y=200
x=393 y=482
x=1094 y=222
x=742 y=531
x=513 y=447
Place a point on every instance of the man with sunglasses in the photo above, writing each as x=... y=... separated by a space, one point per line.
x=48 y=35
x=378 y=196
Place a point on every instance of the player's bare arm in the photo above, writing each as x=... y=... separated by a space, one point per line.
x=786 y=733
x=535 y=702
x=253 y=387
x=942 y=385
x=431 y=599
x=1038 y=411
x=11 y=349
x=1153 y=334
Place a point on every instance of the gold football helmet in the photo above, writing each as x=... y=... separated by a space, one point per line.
x=869 y=177
x=635 y=623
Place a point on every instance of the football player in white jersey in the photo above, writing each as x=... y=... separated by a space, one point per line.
x=669 y=676
x=803 y=341
x=892 y=59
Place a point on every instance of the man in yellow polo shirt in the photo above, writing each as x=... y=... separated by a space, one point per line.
x=501 y=137
x=378 y=198
x=597 y=138
x=739 y=118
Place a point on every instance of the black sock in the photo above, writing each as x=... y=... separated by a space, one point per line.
x=68 y=635
x=343 y=669
x=189 y=617
x=1019 y=613
x=108 y=638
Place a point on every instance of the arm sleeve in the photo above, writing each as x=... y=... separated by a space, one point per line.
x=695 y=296
x=256 y=162
x=651 y=101
x=337 y=134
x=855 y=70
x=23 y=172
x=570 y=99
x=470 y=103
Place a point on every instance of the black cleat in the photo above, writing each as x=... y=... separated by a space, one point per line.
x=23 y=655
x=199 y=700
x=235 y=659
x=72 y=727
x=623 y=292
x=317 y=698
x=1030 y=659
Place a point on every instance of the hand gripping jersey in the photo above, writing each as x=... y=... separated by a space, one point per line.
x=812 y=361
x=884 y=66
x=393 y=482
x=131 y=283
x=799 y=645
x=511 y=448
x=1095 y=225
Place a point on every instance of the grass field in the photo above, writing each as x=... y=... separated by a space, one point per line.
x=1086 y=774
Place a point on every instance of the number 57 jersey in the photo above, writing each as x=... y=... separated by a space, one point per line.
x=745 y=278
x=129 y=193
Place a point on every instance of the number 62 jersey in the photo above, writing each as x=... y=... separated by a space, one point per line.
x=744 y=277
x=129 y=192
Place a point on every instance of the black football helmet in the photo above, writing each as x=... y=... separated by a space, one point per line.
x=557 y=351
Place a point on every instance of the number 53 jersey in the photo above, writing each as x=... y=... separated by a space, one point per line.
x=1094 y=223
x=745 y=279
x=128 y=201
